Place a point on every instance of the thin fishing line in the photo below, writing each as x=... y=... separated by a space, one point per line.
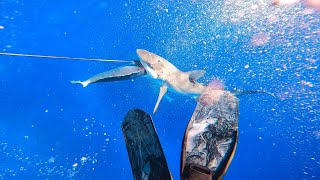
x=67 y=58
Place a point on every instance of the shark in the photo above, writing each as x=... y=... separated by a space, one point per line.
x=135 y=69
x=160 y=69
x=157 y=68
x=171 y=77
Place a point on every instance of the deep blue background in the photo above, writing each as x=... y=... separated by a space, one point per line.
x=48 y=124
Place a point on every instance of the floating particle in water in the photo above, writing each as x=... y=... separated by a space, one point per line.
x=317 y=134
x=1 y=27
x=94 y=161
x=259 y=39
x=314 y=4
x=306 y=83
x=307 y=11
x=51 y=160
x=75 y=165
x=312 y=60
x=46 y=110
x=216 y=84
x=83 y=159
x=272 y=18
x=285 y=2
x=246 y=66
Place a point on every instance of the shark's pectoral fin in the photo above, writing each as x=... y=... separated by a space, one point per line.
x=196 y=74
x=163 y=90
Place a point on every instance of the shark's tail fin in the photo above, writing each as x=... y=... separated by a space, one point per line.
x=245 y=92
x=83 y=83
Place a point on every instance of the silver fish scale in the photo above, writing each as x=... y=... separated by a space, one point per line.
x=219 y=119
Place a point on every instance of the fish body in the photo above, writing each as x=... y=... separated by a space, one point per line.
x=118 y=74
x=161 y=69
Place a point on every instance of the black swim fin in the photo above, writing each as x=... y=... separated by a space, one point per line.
x=144 y=149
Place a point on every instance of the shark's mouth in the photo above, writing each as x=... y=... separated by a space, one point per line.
x=144 y=56
x=149 y=69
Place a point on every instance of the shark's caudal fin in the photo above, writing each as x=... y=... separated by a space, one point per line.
x=246 y=92
x=83 y=83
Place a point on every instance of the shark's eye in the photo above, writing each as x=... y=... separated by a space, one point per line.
x=158 y=60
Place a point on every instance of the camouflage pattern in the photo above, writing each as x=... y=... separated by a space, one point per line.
x=211 y=136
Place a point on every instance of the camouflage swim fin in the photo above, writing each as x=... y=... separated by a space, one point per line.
x=211 y=136
x=144 y=149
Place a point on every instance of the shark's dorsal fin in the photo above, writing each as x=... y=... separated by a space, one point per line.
x=196 y=74
x=245 y=92
x=163 y=90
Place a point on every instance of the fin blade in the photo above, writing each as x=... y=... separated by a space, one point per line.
x=163 y=90
x=144 y=149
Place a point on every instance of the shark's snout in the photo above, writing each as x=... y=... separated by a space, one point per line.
x=143 y=54
x=146 y=59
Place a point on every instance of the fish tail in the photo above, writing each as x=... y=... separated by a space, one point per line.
x=83 y=83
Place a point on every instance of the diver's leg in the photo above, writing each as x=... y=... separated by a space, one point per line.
x=144 y=149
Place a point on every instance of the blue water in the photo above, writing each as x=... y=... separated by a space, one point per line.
x=52 y=129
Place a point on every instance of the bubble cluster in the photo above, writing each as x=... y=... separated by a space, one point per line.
x=317 y=134
x=19 y=161
x=249 y=44
x=278 y=43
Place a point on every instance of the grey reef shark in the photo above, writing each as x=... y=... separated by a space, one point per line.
x=160 y=69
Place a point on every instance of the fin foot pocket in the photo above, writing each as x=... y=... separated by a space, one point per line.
x=197 y=172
